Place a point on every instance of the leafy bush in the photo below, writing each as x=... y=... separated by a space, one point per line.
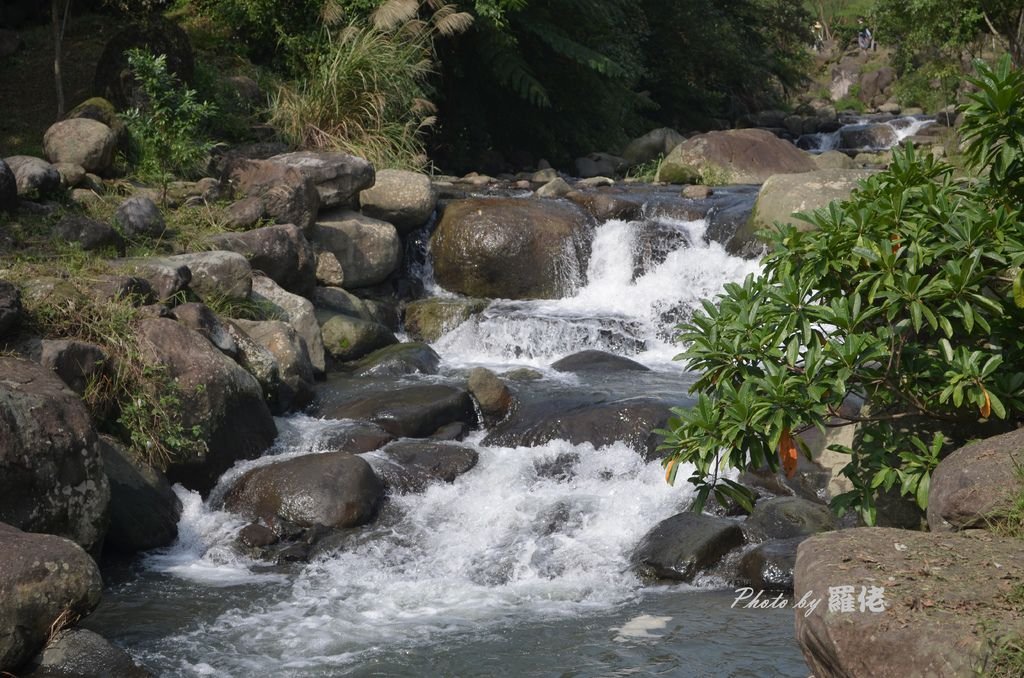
x=907 y=296
x=167 y=131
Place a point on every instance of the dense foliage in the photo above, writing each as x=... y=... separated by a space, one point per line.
x=906 y=297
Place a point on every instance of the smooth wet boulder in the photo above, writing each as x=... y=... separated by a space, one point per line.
x=347 y=338
x=680 y=547
x=871 y=137
x=491 y=394
x=144 y=510
x=399 y=197
x=742 y=156
x=657 y=142
x=604 y=205
x=42 y=578
x=89 y=234
x=354 y=437
x=8 y=189
x=281 y=252
x=409 y=466
x=556 y=188
x=977 y=485
x=202 y=319
x=413 y=411
x=511 y=249
x=333 y=489
x=592 y=360
x=81 y=141
x=298 y=312
x=217 y=395
x=34 y=178
x=769 y=566
x=429 y=319
x=398 y=360
x=786 y=517
x=295 y=372
x=77 y=363
x=338 y=177
x=941 y=598
x=51 y=473
x=284 y=193
x=139 y=217
x=80 y=653
x=10 y=308
x=631 y=420
x=368 y=250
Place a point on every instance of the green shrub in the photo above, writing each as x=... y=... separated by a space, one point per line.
x=168 y=129
x=907 y=296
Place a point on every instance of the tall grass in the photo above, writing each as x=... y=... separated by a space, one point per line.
x=366 y=93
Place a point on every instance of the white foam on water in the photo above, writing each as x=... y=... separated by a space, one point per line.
x=640 y=628
x=503 y=544
x=612 y=311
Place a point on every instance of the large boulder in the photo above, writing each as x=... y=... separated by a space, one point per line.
x=896 y=602
x=397 y=360
x=338 y=177
x=784 y=194
x=8 y=189
x=217 y=395
x=294 y=368
x=80 y=653
x=369 y=250
x=592 y=360
x=81 y=141
x=285 y=194
x=657 y=142
x=742 y=156
x=333 y=489
x=202 y=319
x=511 y=249
x=51 y=473
x=405 y=199
x=144 y=510
x=336 y=300
x=34 y=177
x=10 y=308
x=261 y=364
x=114 y=80
x=77 y=363
x=281 y=252
x=43 y=579
x=631 y=420
x=870 y=137
x=977 y=485
x=101 y=110
x=347 y=338
x=413 y=411
x=409 y=466
x=429 y=319
x=787 y=517
x=217 y=274
x=682 y=546
x=298 y=312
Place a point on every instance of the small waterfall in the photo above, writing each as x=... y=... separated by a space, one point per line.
x=643 y=277
x=890 y=133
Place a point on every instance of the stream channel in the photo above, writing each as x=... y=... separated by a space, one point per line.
x=510 y=570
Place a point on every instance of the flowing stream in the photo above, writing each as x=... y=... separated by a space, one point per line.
x=512 y=570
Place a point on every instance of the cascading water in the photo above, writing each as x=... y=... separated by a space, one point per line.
x=519 y=568
x=897 y=130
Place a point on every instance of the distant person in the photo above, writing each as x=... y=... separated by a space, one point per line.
x=819 y=36
x=865 y=40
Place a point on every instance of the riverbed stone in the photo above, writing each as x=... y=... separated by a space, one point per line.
x=139 y=217
x=166 y=278
x=338 y=177
x=942 y=596
x=77 y=363
x=226 y=275
x=604 y=205
x=333 y=489
x=399 y=197
x=657 y=142
x=202 y=319
x=295 y=371
x=398 y=360
x=281 y=252
x=786 y=517
x=35 y=178
x=217 y=395
x=742 y=156
x=347 y=338
x=89 y=234
x=429 y=319
x=354 y=437
x=976 y=486
x=556 y=188
x=51 y=473
x=769 y=566
x=81 y=141
x=511 y=249
x=70 y=174
x=630 y=420
x=491 y=394
x=10 y=308
x=412 y=411
x=833 y=160
x=298 y=312
x=144 y=510
x=8 y=189
x=287 y=196
x=592 y=360
x=81 y=653
x=867 y=137
x=369 y=250
x=329 y=272
x=42 y=577
x=409 y=466
x=680 y=547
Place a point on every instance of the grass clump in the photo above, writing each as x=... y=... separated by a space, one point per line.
x=647 y=171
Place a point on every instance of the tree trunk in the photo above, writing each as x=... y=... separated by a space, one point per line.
x=58 y=48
